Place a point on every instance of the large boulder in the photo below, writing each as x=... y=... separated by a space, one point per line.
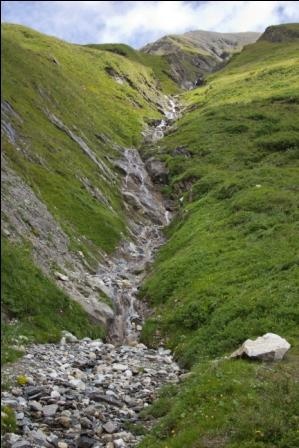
x=269 y=347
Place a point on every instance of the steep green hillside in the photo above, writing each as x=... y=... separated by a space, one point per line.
x=36 y=308
x=230 y=268
x=158 y=64
x=44 y=76
x=232 y=249
x=67 y=111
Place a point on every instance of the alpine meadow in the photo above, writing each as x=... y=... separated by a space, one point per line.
x=150 y=241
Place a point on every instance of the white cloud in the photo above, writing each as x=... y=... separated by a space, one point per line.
x=138 y=22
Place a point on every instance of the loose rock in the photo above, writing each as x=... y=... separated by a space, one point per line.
x=75 y=401
x=269 y=347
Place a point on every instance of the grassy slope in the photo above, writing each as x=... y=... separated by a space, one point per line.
x=230 y=268
x=71 y=81
x=158 y=64
x=84 y=97
x=41 y=309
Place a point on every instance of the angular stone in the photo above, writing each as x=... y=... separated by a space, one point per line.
x=110 y=427
x=50 y=410
x=78 y=384
x=64 y=421
x=39 y=437
x=35 y=391
x=22 y=444
x=85 y=441
x=269 y=347
x=69 y=337
x=35 y=405
x=95 y=396
x=119 y=367
x=55 y=394
x=157 y=170
x=62 y=445
x=20 y=415
x=53 y=439
x=119 y=443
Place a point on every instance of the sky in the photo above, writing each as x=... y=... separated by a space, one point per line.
x=139 y=22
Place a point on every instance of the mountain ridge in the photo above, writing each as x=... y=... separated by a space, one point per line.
x=201 y=52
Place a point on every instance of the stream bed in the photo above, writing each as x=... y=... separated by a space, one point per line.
x=121 y=275
x=87 y=393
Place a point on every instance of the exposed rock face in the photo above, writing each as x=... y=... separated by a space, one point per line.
x=281 y=33
x=26 y=216
x=193 y=54
x=157 y=170
x=84 y=393
x=269 y=347
x=121 y=274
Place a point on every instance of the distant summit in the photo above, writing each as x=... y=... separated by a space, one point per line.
x=195 y=53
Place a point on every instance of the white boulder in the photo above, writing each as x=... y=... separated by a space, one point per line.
x=269 y=347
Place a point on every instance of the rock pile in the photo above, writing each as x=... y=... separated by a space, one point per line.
x=84 y=393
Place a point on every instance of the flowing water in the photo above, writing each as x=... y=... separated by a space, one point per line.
x=122 y=274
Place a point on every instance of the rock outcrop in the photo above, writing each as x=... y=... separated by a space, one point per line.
x=157 y=170
x=281 y=33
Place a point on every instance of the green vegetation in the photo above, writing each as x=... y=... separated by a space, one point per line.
x=229 y=404
x=230 y=268
x=8 y=420
x=44 y=75
x=158 y=64
x=39 y=309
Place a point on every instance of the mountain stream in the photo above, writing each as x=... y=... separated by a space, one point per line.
x=122 y=274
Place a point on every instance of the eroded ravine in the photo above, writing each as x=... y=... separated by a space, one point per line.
x=120 y=276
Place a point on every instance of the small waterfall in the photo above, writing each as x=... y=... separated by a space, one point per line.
x=123 y=273
x=171 y=113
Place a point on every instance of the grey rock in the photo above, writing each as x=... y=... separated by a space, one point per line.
x=69 y=337
x=85 y=441
x=22 y=444
x=50 y=410
x=35 y=391
x=95 y=396
x=157 y=170
x=64 y=421
x=110 y=427
x=119 y=443
x=181 y=151
x=53 y=439
x=119 y=367
x=62 y=445
x=20 y=415
x=39 y=437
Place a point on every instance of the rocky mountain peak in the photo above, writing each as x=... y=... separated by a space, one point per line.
x=193 y=54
